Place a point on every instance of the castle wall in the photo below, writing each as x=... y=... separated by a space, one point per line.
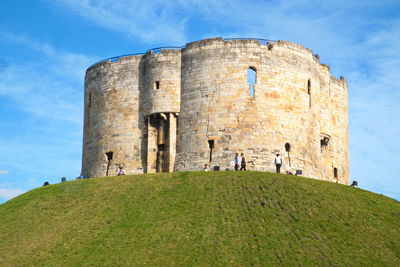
x=161 y=79
x=216 y=105
x=185 y=108
x=160 y=89
x=334 y=122
x=111 y=122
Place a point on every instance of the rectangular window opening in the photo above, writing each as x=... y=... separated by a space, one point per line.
x=211 y=144
x=90 y=100
x=211 y=147
x=335 y=172
x=251 y=79
x=157 y=84
x=109 y=155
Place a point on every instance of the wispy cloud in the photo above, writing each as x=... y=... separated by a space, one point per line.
x=44 y=88
x=3 y=172
x=148 y=20
x=10 y=193
x=42 y=96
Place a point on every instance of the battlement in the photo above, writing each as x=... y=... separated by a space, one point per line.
x=178 y=108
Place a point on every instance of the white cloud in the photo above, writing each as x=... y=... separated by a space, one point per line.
x=46 y=88
x=10 y=193
x=70 y=65
x=43 y=97
x=3 y=172
x=147 y=20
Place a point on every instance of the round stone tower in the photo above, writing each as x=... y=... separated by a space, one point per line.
x=178 y=109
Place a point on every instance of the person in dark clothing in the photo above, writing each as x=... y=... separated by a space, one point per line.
x=278 y=163
x=243 y=163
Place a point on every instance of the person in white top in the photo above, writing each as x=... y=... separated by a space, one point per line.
x=238 y=160
x=278 y=163
x=206 y=168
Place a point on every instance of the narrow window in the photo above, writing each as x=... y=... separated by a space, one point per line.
x=287 y=149
x=211 y=147
x=309 y=92
x=335 y=172
x=324 y=144
x=157 y=84
x=109 y=156
x=90 y=100
x=251 y=79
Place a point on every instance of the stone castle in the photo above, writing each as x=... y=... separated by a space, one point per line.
x=176 y=109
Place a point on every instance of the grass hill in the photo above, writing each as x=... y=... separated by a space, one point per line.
x=200 y=219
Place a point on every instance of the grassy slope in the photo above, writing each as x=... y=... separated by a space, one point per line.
x=200 y=218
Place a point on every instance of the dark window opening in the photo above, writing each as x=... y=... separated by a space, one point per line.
x=211 y=144
x=90 y=100
x=157 y=84
x=251 y=79
x=161 y=147
x=109 y=156
x=309 y=92
x=211 y=147
x=287 y=149
x=335 y=172
x=324 y=142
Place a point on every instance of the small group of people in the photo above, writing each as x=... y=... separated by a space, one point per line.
x=240 y=161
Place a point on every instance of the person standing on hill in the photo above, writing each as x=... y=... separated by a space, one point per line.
x=237 y=161
x=121 y=171
x=278 y=163
x=243 y=163
x=206 y=168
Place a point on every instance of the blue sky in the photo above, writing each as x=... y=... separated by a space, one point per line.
x=46 y=46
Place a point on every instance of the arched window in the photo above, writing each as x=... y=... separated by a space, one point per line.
x=251 y=79
x=309 y=92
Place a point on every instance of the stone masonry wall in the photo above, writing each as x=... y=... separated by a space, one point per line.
x=162 y=70
x=111 y=122
x=204 y=87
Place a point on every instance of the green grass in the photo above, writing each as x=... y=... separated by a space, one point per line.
x=200 y=219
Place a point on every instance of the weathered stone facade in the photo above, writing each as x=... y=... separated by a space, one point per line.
x=177 y=109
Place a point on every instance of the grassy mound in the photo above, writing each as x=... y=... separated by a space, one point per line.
x=200 y=218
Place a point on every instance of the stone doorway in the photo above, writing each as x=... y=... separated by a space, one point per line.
x=161 y=142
